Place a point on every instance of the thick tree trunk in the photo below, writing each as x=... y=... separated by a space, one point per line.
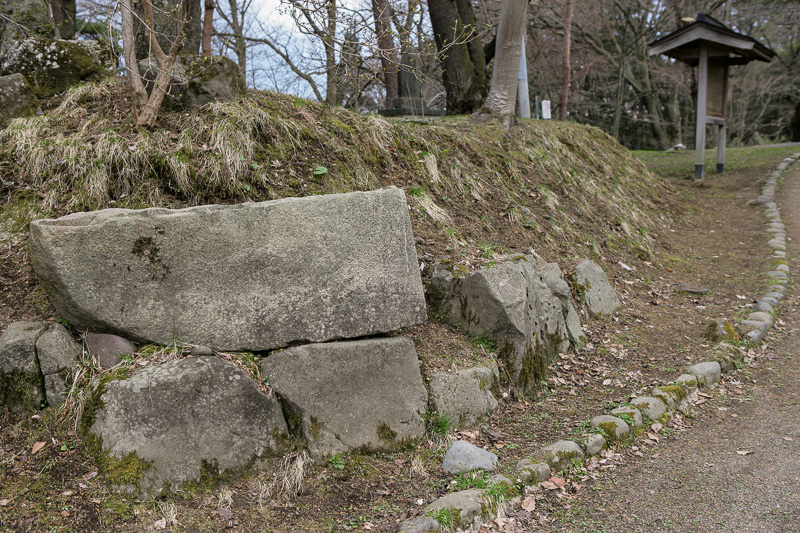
x=381 y=11
x=463 y=67
x=329 y=42
x=208 y=27
x=503 y=93
x=166 y=26
x=64 y=18
x=565 y=67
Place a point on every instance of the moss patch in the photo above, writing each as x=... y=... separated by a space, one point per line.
x=21 y=391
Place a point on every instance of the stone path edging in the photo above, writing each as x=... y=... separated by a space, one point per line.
x=664 y=400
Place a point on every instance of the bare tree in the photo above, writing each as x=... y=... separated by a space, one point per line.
x=147 y=105
x=566 y=67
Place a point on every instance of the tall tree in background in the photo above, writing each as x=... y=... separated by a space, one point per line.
x=461 y=54
x=382 y=13
x=566 y=65
x=503 y=92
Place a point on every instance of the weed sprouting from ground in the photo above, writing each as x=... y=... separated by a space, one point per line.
x=288 y=480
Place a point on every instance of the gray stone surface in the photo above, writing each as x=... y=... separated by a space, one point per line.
x=650 y=407
x=108 y=348
x=764 y=307
x=468 y=502
x=531 y=472
x=466 y=397
x=464 y=456
x=21 y=385
x=726 y=362
x=561 y=454
x=708 y=373
x=424 y=524
x=595 y=443
x=350 y=395
x=57 y=352
x=179 y=415
x=690 y=383
x=51 y=66
x=242 y=277
x=613 y=428
x=777 y=288
x=774 y=302
x=673 y=396
x=755 y=336
x=750 y=325
x=591 y=281
x=632 y=412
x=551 y=275
x=198 y=81
x=510 y=304
x=760 y=316
x=774 y=294
x=16 y=98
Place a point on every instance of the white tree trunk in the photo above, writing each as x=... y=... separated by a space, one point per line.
x=503 y=91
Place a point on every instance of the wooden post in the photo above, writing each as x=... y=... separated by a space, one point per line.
x=721 y=149
x=700 y=131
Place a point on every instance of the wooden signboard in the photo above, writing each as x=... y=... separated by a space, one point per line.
x=717 y=87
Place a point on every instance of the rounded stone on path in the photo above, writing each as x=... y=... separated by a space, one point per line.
x=561 y=454
x=726 y=362
x=720 y=330
x=778 y=274
x=673 y=396
x=463 y=457
x=755 y=336
x=632 y=412
x=531 y=472
x=468 y=502
x=108 y=348
x=650 y=407
x=774 y=302
x=760 y=316
x=750 y=325
x=691 y=384
x=595 y=443
x=764 y=198
x=777 y=288
x=201 y=351
x=612 y=427
x=782 y=268
x=774 y=294
x=763 y=307
x=423 y=524
x=708 y=373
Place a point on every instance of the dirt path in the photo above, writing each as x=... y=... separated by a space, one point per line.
x=704 y=481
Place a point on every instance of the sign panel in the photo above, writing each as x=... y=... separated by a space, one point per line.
x=546 y=109
x=717 y=87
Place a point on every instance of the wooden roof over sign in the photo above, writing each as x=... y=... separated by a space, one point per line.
x=723 y=43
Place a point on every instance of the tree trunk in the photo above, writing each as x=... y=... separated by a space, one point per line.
x=463 y=67
x=503 y=93
x=64 y=18
x=381 y=11
x=239 y=42
x=138 y=92
x=565 y=67
x=329 y=42
x=208 y=27
x=166 y=26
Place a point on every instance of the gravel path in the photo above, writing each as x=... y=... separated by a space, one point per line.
x=700 y=482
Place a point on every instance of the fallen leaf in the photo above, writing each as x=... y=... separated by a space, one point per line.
x=606 y=382
x=790 y=439
x=67 y=493
x=38 y=446
x=704 y=395
x=160 y=524
x=656 y=427
x=529 y=504
x=744 y=452
x=65 y=513
x=549 y=485
x=4 y=503
x=558 y=481
x=225 y=513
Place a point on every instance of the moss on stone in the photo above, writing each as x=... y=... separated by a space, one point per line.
x=21 y=391
x=315 y=428
x=386 y=434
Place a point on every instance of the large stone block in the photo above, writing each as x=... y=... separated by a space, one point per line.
x=510 y=304
x=51 y=66
x=16 y=98
x=21 y=385
x=245 y=277
x=342 y=396
x=171 y=423
x=465 y=397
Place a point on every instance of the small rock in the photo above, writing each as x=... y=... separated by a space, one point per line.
x=20 y=377
x=465 y=397
x=532 y=472
x=423 y=524
x=592 y=282
x=613 y=428
x=720 y=330
x=561 y=454
x=632 y=412
x=759 y=316
x=58 y=352
x=673 y=396
x=463 y=457
x=690 y=383
x=468 y=502
x=108 y=348
x=750 y=325
x=777 y=288
x=726 y=362
x=774 y=302
x=201 y=351
x=650 y=407
x=755 y=336
x=595 y=443
x=777 y=295
x=708 y=373
x=764 y=307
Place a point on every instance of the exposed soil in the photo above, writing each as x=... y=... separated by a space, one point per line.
x=717 y=242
